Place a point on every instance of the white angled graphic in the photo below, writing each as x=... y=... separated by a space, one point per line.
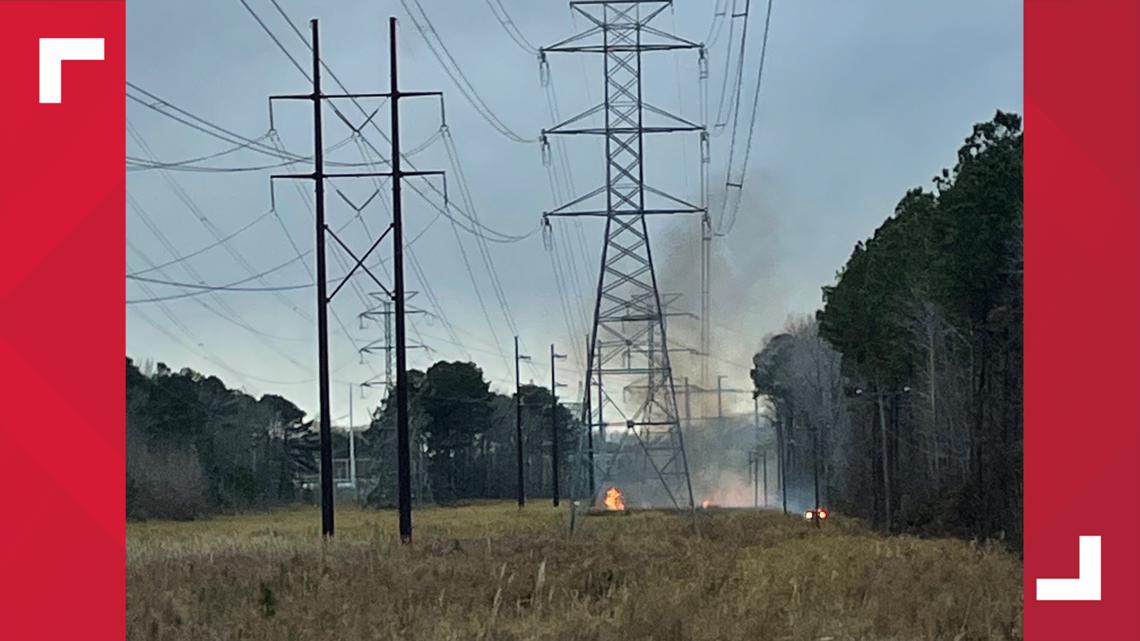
x=1086 y=587
x=53 y=51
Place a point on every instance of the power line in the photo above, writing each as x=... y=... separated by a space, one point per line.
x=238 y=141
x=232 y=285
x=471 y=214
x=212 y=359
x=208 y=247
x=721 y=116
x=455 y=72
x=228 y=314
x=242 y=146
x=494 y=235
x=196 y=211
x=477 y=226
x=425 y=284
x=739 y=184
x=178 y=114
x=716 y=27
x=217 y=288
x=471 y=276
x=508 y=25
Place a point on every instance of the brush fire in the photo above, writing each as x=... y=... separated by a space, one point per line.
x=615 y=500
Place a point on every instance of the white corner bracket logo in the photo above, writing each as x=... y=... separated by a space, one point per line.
x=1086 y=587
x=53 y=51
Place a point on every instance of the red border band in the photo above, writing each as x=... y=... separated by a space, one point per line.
x=1082 y=312
x=62 y=563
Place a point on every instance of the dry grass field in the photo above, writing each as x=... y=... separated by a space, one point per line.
x=489 y=572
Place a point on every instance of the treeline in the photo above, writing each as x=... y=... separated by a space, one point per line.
x=917 y=354
x=463 y=438
x=195 y=446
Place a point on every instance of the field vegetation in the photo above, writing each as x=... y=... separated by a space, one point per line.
x=492 y=572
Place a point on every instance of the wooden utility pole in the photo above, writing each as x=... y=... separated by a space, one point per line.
x=521 y=480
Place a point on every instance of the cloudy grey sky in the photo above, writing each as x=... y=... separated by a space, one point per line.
x=860 y=101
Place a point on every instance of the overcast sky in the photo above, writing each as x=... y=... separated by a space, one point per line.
x=860 y=101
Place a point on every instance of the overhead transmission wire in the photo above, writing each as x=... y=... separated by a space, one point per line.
x=470 y=271
x=572 y=328
x=739 y=183
x=336 y=110
x=177 y=322
x=471 y=215
x=232 y=285
x=561 y=190
x=381 y=194
x=233 y=315
x=570 y=280
x=193 y=164
x=352 y=284
x=508 y=25
x=560 y=145
x=138 y=164
x=241 y=146
x=198 y=214
x=570 y=190
x=716 y=27
x=455 y=72
x=218 y=288
x=228 y=314
x=238 y=141
x=185 y=197
x=489 y=266
x=206 y=248
x=370 y=163
x=489 y=233
x=202 y=125
x=567 y=281
x=197 y=123
x=276 y=153
x=722 y=114
x=421 y=277
x=484 y=249
x=739 y=87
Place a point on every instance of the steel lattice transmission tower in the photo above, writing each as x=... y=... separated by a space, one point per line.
x=628 y=339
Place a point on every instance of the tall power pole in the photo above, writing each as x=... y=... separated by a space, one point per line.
x=520 y=467
x=396 y=293
x=764 y=462
x=628 y=337
x=720 y=395
x=387 y=345
x=587 y=422
x=554 y=385
x=351 y=442
x=328 y=527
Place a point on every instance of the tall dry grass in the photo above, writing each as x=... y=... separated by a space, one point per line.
x=489 y=572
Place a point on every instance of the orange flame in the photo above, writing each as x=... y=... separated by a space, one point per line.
x=614 y=500
x=705 y=504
